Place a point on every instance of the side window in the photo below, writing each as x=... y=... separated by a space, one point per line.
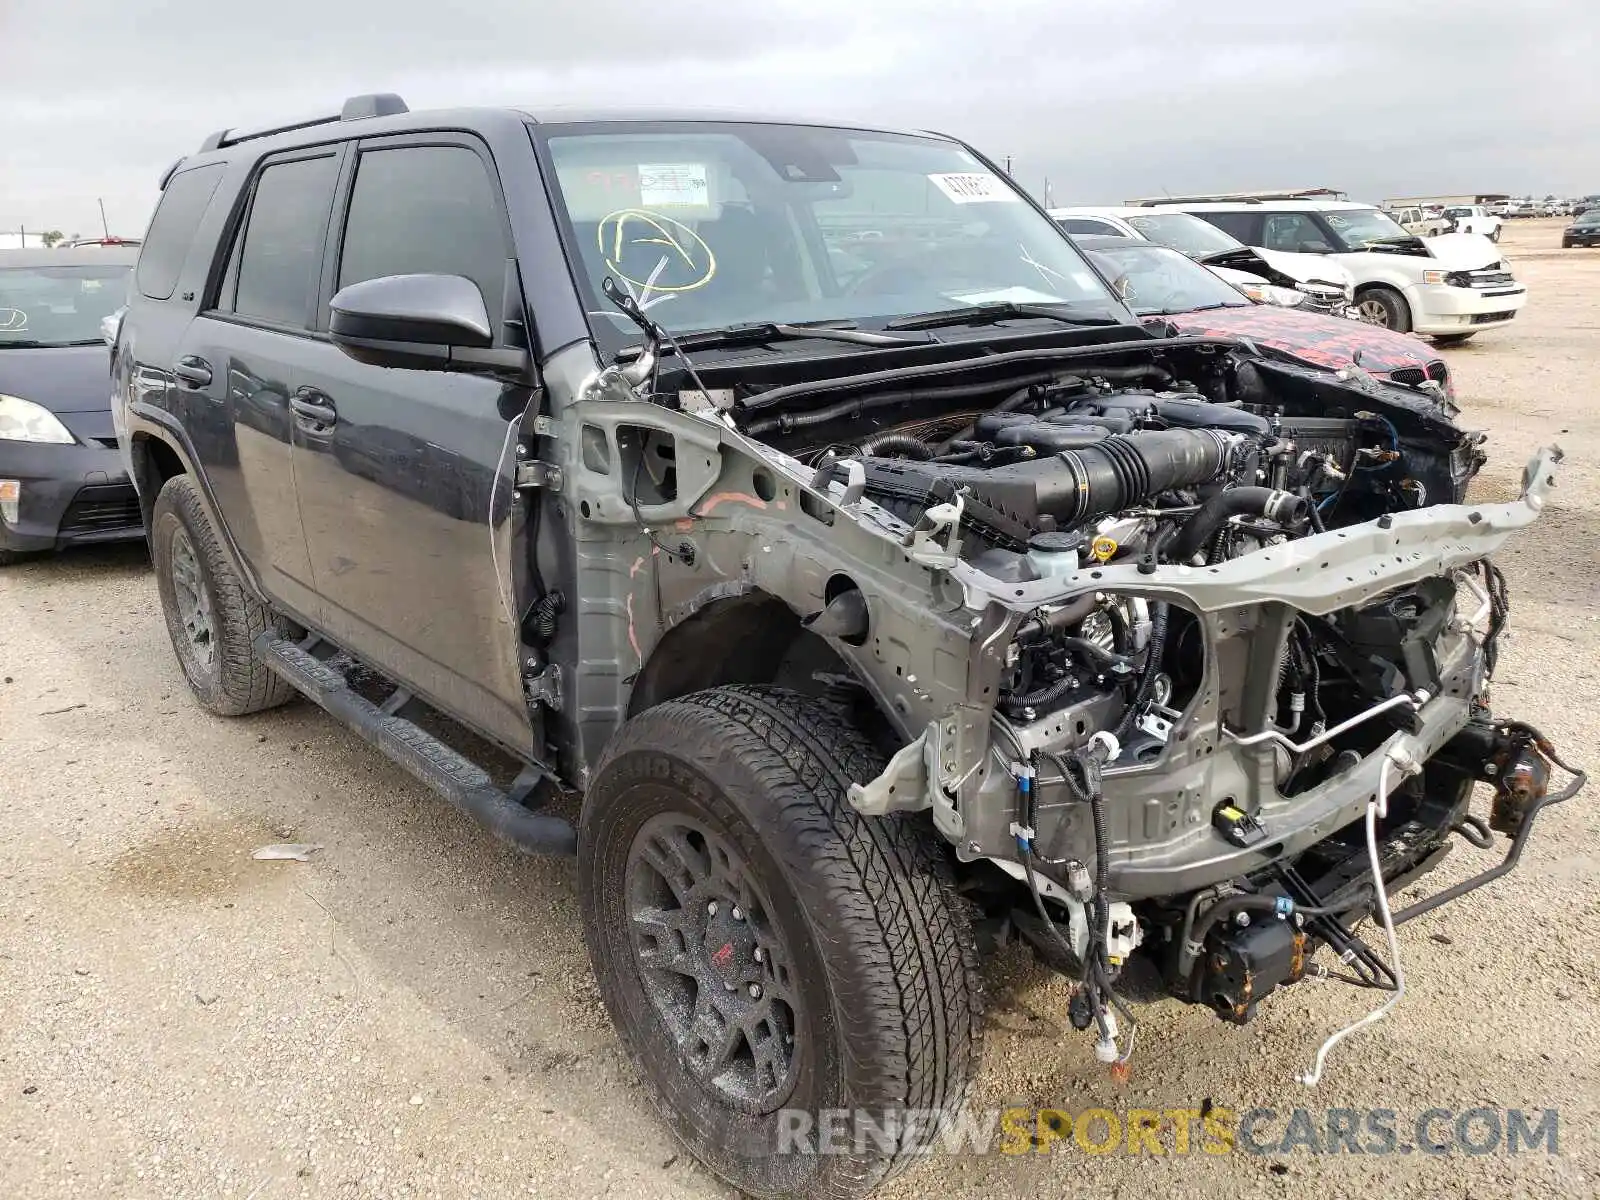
x=1089 y=225
x=425 y=210
x=281 y=253
x=166 y=243
x=1239 y=225
x=1294 y=232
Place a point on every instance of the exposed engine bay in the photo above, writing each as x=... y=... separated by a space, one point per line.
x=1184 y=648
x=1090 y=468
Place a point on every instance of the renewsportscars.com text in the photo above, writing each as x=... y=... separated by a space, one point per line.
x=1208 y=1129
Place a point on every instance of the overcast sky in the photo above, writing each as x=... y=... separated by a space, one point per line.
x=1107 y=99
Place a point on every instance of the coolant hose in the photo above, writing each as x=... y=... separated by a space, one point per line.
x=1235 y=502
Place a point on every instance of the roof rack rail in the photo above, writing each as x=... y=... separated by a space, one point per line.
x=1314 y=193
x=357 y=108
x=166 y=178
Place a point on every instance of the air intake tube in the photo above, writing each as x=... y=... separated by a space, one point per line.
x=1123 y=471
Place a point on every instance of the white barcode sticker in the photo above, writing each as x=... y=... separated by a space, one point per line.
x=974 y=187
x=674 y=185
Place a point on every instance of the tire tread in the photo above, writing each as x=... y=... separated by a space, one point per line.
x=244 y=683
x=910 y=1010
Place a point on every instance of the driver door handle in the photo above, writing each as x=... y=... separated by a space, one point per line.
x=192 y=371
x=313 y=407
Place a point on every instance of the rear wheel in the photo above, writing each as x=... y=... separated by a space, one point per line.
x=1386 y=307
x=212 y=618
x=766 y=952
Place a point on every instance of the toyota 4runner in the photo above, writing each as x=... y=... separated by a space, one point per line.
x=803 y=499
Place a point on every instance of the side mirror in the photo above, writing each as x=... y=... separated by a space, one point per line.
x=420 y=322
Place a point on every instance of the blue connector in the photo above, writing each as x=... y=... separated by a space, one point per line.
x=1024 y=833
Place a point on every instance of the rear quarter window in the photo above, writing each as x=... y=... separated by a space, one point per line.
x=1241 y=225
x=1089 y=225
x=172 y=229
x=280 y=250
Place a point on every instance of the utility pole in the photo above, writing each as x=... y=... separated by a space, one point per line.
x=106 y=229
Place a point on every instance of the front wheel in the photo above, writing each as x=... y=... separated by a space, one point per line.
x=1386 y=307
x=767 y=953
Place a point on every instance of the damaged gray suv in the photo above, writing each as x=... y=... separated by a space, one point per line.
x=788 y=521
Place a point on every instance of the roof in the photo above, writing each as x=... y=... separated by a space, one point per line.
x=90 y=256
x=1310 y=193
x=558 y=115
x=1259 y=205
x=1123 y=211
x=1106 y=241
x=388 y=113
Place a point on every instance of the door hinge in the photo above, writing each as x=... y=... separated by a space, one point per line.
x=536 y=474
x=544 y=687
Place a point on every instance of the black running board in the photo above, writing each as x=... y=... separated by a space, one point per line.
x=458 y=779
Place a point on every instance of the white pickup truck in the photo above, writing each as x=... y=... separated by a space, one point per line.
x=1424 y=222
x=1473 y=218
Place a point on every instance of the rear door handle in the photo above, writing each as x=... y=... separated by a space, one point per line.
x=313 y=407
x=192 y=372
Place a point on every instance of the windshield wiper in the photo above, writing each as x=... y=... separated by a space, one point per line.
x=1003 y=310
x=34 y=344
x=1210 y=307
x=759 y=332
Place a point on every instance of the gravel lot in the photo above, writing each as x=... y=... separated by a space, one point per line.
x=411 y=1013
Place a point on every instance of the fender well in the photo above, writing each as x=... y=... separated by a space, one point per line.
x=751 y=637
x=154 y=462
x=156 y=457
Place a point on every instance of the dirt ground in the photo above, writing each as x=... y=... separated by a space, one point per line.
x=411 y=1013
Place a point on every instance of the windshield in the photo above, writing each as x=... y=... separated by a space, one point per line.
x=713 y=224
x=1157 y=280
x=1182 y=232
x=59 y=306
x=1591 y=217
x=1358 y=227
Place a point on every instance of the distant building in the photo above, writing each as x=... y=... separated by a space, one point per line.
x=20 y=240
x=1447 y=201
